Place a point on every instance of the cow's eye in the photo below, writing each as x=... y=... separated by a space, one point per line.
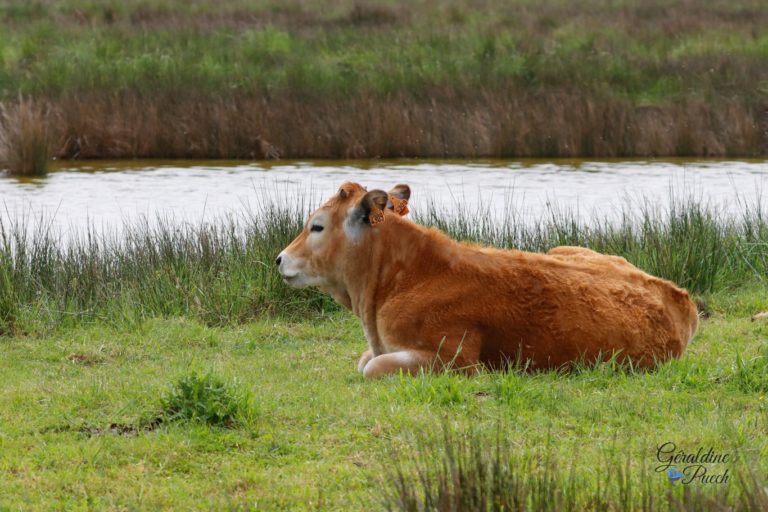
x=316 y=228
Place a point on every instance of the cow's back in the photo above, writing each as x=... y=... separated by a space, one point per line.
x=605 y=303
x=676 y=301
x=550 y=309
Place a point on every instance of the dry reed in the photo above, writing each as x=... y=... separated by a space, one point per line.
x=25 y=141
x=369 y=78
x=444 y=123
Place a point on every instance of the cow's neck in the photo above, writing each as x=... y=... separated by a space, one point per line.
x=383 y=264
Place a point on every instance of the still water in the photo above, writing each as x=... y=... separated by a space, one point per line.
x=110 y=193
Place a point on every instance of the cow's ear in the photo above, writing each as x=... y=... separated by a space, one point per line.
x=398 y=199
x=346 y=189
x=370 y=209
x=401 y=191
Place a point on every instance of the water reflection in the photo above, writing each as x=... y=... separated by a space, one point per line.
x=108 y=193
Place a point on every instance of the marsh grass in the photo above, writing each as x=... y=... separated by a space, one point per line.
x=302 y=79
x=223 y=272
x=471 y=471
x=25 y=139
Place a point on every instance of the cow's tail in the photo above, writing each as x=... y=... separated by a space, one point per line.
x=685 y=316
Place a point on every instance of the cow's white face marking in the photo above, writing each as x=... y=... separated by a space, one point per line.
x=353 y=229
x=317 y=224
x=291 y=270
x=295 y=269
x=316 y=256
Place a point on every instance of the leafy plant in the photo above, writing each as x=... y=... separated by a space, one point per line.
x=206 y=399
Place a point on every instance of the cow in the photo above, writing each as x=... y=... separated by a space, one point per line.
x=428 y=302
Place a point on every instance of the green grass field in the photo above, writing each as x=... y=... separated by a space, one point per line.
x=650 y=52
x=76 y=408
x=166 y=366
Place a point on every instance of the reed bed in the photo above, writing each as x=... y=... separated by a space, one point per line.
x=223 y=272
x=366 y=79
x=443 y=121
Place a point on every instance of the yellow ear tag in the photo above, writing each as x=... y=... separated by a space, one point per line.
x=376 y=216
x=400 y=206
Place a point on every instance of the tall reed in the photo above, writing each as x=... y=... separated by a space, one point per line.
x=25 y=140
x=223 y=271
x=439 y=121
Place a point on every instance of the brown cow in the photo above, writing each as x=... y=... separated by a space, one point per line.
x=426 y=300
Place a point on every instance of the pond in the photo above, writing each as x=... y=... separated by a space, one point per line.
x=110 y=193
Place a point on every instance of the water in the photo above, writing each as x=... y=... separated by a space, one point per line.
x=110 y=193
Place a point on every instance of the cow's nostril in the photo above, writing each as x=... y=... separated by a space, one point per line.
x=278 y=260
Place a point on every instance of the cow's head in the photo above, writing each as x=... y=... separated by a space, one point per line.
x=315 y=257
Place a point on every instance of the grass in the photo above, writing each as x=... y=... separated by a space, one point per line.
x=640 y=50
x=469 y=471
x=363 y=79
x=73 y=402
x=222 y=272
x=164 y=365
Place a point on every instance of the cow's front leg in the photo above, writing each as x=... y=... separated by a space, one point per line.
x=409 y=361
x=364 y=358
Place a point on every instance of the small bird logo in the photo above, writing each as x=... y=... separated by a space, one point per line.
x=674 y=475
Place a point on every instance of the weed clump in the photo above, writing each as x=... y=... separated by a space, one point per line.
x=206 y=399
